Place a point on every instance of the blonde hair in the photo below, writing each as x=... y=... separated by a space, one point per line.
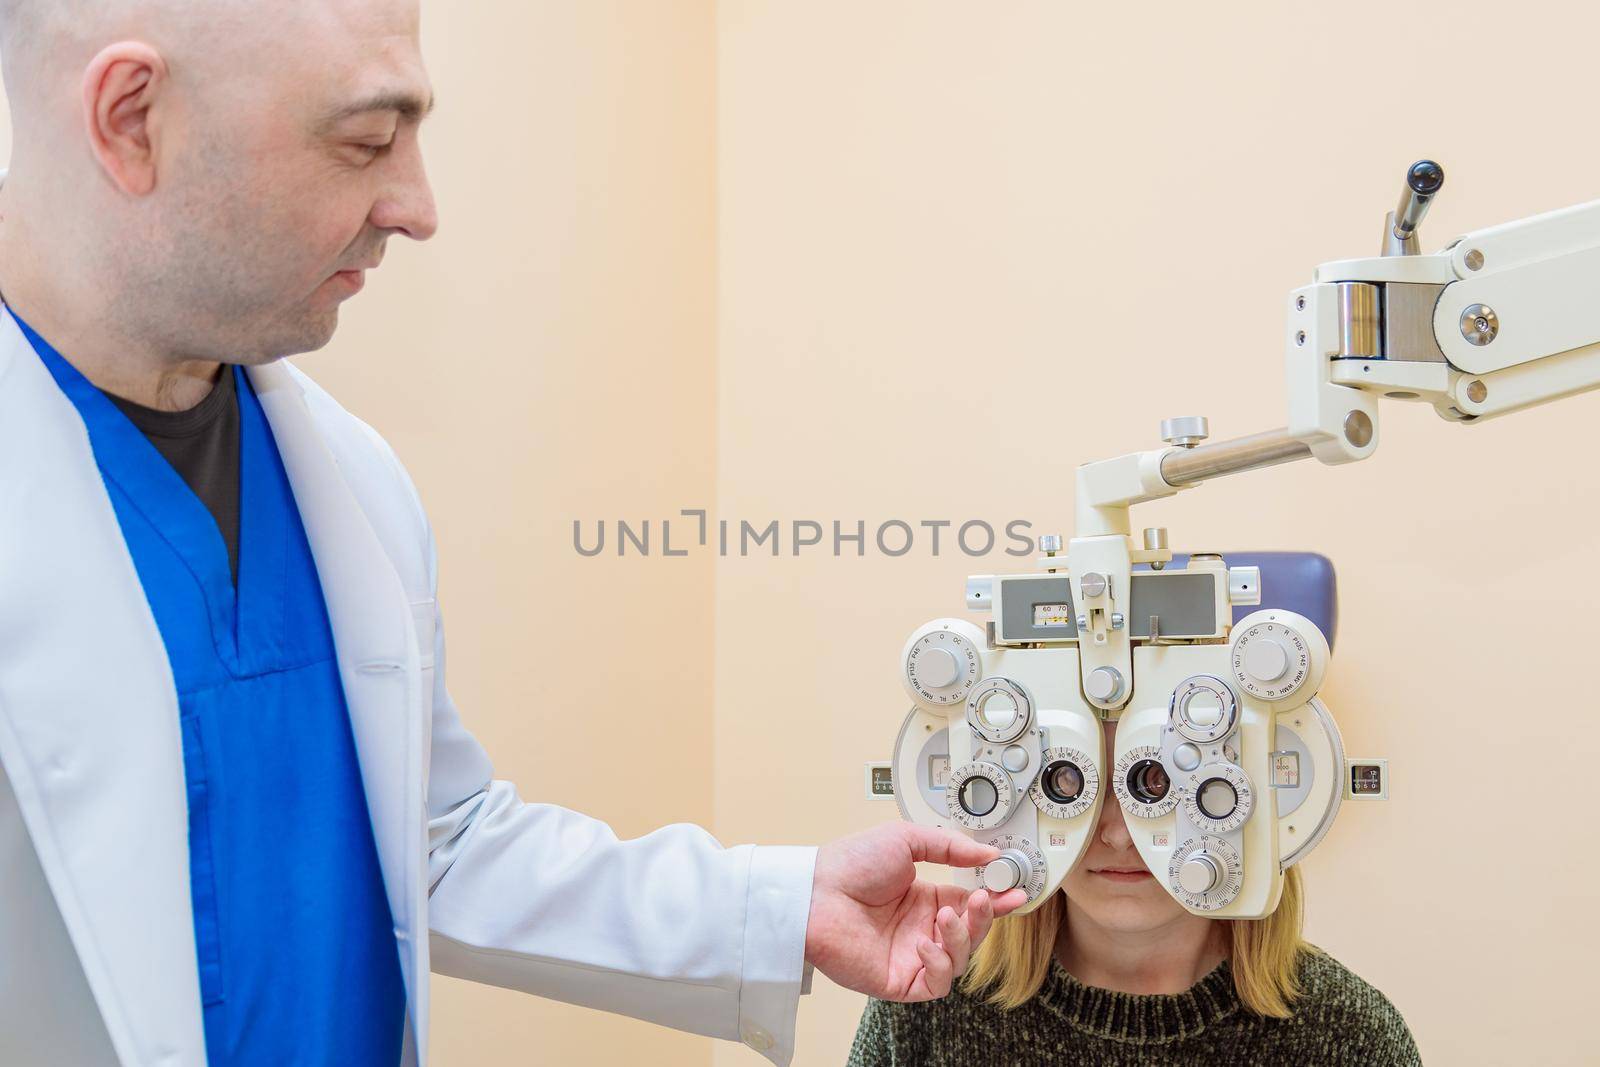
x=1010 y=966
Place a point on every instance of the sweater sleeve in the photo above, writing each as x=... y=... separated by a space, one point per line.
x=1355 y=1024
x=1373 y=1034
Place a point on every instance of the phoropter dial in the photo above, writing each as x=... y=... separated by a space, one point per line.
x=979 y=795
x=1203 y=709
x=1205 y=873
x=1142 y=784
x=999 y=710
x=1067 y=785
x=1218 y=798
x=1020 y=864
x=1275 y=657
x=942 y=662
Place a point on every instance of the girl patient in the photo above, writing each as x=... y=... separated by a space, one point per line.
x=1113 y=971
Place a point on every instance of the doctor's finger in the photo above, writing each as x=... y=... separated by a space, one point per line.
x=953 y=929
x=1008 y=902
x=978 y=917
x=937 y=970
x=932 y=845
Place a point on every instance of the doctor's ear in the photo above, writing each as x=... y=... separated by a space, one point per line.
x=120 y=87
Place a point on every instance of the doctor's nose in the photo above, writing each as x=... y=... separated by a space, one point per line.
x=407 y=206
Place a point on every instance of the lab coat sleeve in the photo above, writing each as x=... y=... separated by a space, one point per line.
x=671 y=927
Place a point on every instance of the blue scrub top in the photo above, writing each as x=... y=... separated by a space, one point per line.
x=296 y=950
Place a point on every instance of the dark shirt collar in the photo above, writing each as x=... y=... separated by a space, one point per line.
x=183 y=423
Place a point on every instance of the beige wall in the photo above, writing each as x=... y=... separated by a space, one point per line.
x=917 y=260
x=965 y=247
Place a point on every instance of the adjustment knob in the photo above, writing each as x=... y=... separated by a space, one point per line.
x=1007 y=872
x=1103 y=685
x=1277 y=655
x=941 y=662
x=1020 y=865
x=1205 y=873
x=1199 y=874
x=1423 y=182
x=1185 y=431
x=938 y=668
x=1265 y=660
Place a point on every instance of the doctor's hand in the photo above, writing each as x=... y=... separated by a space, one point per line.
x=876 y=929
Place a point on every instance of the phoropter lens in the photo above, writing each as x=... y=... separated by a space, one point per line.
x=1062 y=782
x=1148 y=782
x=1217 y=798
x=978 y=796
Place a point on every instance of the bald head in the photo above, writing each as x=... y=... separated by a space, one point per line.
x=46 y=44
x=222 y=52
x=205 y=170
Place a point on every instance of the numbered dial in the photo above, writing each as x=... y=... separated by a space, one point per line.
x=1218 y=798
x=942 y=666
x=1203 y=709
x=1020 y=864
x=1068 y=784
x=1142 y=785
x=979 y=796
x=1205 y=873
x=999 y=710
x=1271 y=660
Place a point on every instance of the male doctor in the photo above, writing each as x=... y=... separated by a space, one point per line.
x=240 y=818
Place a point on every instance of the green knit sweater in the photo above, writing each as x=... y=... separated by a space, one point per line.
x=1339 y=1020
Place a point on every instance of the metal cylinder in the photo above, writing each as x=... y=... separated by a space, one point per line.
x=1423 y=181
x=1358 y=321
x=1191 y=465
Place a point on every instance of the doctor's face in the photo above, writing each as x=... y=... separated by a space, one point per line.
x=289 y=179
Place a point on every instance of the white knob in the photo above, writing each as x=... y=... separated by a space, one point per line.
x=1244 y=586
x=1199 y=874
x=937 y=668
x=1007 y=872
x=1265 y=659
x=1278 y=655
x=1104 y=684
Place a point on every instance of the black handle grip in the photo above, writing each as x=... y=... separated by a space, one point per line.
x=1423 y=181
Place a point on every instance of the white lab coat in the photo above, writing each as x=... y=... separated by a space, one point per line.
x=97 y=956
